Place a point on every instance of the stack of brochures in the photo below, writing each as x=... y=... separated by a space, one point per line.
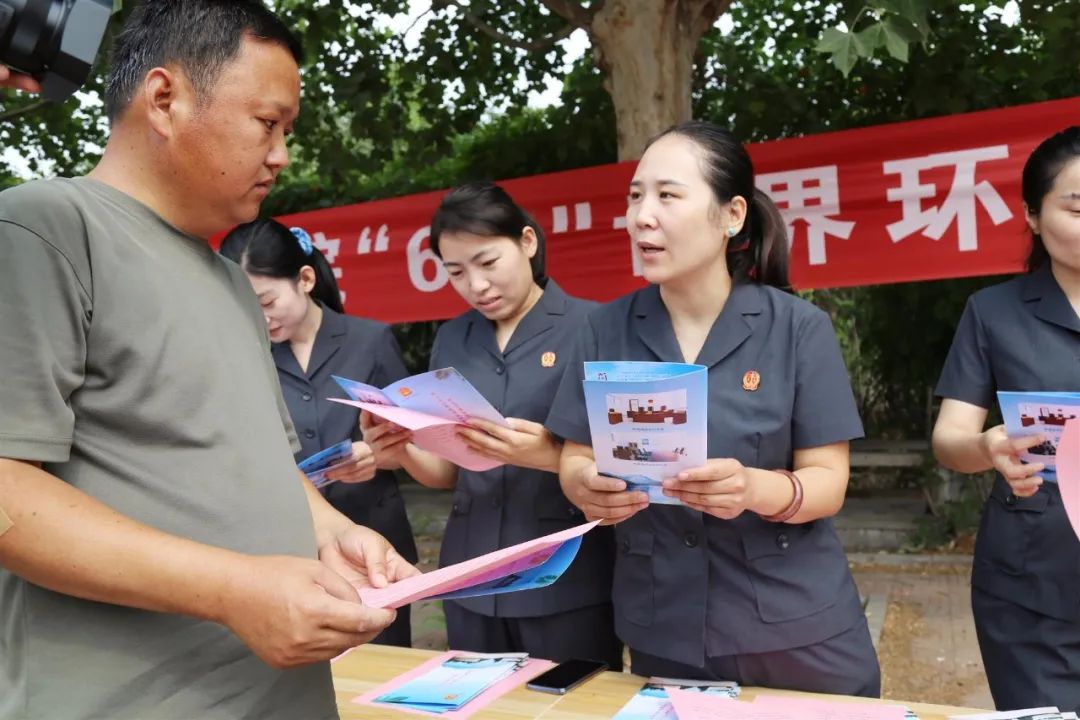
x=701 y=706
x=652 y=703
x=318 y=465
x=456 y=684
x=1043 y=713
x=647 y=421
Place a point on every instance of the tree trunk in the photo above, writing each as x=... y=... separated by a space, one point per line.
x=645 y=49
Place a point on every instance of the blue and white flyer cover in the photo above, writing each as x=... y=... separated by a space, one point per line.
x=647 y=421
x=1039 y=413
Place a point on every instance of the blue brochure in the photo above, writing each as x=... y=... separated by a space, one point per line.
x=1039 y=413
x=647 y=421
x=316 y=466
x=454 y=682
x=531 y=578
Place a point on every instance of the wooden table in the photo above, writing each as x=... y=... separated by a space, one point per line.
x=601 y=697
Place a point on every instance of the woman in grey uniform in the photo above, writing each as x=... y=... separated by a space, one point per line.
x=512 y=346
x=1023 y=335
x=312 y=340
x=747 y=580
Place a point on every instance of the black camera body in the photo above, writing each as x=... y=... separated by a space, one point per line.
x=55 y=41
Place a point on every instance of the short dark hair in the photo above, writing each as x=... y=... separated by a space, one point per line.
x=201 y=36
x=268 y=248
x=1040 y=171
x=484 y=208
x=759 y=252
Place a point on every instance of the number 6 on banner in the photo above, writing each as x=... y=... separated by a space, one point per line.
x=420 y=258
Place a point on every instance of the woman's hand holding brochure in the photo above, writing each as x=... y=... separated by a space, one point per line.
x=1003 y=452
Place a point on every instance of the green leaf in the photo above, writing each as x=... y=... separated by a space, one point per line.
x=869 y=39
x=831 y=40
x=896 y=45
x=904 y=29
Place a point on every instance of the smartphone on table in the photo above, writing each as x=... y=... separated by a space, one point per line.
x=566 y=676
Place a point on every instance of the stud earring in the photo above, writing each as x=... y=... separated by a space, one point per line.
x=732 y=232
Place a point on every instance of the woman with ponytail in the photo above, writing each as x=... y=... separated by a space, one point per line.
x=746 y=580
x=312 y=340
x=511 y=345
x=1023 y=335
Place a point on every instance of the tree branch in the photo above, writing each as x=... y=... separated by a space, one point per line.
x=26 y=110
x=526 y=45
x=573 y=13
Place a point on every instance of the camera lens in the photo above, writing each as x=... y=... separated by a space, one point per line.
x=56 y=41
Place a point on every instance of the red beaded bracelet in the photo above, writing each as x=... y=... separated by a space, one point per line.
x=796 y=502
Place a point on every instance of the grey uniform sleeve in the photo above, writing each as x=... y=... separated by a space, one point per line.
x=968 y=374
x=45 y=311
x=824 y=411
x=568 y=419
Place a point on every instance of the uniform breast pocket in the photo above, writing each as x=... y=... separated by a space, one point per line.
x=1009 y=528
x=553 y=510
x=632 y=590
x=796 y=570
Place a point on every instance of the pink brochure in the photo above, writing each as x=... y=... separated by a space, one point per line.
x=435 y=434
x=690 y=705
x=485 y=568
x=1068 y=472
x=794 y=707
x=533 y=667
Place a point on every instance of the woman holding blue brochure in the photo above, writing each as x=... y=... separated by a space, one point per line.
x=1023 y=336
x=745 y=580
x=311 y=341
x=512 y=346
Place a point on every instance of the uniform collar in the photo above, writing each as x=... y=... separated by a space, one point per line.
x=329 y=338
x=540 y=318
x=731 y=329
x=1042 y=292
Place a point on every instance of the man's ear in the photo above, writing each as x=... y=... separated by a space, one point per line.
x=165 y=94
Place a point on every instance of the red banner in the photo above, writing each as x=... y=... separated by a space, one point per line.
x=918 y=200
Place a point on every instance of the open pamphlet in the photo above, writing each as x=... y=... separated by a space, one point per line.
x=652 y=703
x=1039 y=413
x=432 y=405
x=647 y=421
x=316 y=466
x=455 y=684
x=525 y=566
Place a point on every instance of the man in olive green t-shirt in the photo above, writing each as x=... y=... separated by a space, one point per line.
x=165 y=559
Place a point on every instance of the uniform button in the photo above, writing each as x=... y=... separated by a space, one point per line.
x=309 y=433
x=625 y=546
x=456 y=507
x=782 y=541
x=1010 y=500
x=690 y=539
x=496 y=501
x=306 y=397
x=500 y=369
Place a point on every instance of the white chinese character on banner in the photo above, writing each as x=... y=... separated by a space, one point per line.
x=811 y=195
x=330 y=247
x=959 y=204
